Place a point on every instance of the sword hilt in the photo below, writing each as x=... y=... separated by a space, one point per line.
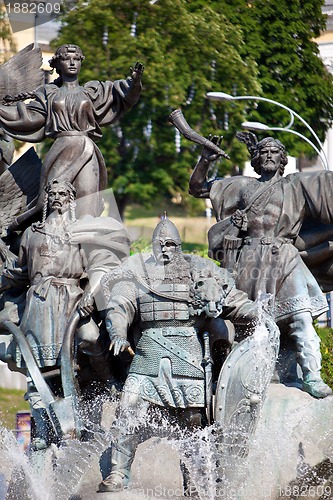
x=207 y=359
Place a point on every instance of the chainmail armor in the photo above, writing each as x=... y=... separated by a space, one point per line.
x=150 y=348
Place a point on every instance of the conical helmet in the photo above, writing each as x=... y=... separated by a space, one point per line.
x=166 y=231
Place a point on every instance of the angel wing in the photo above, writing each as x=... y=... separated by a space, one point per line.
x=22 y=72
x=6 y=149
x=249 y=139
x=19 y=187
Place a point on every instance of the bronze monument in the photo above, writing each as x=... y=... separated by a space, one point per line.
x=259 y=221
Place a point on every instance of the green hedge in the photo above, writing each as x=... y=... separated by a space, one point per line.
x=326 y=336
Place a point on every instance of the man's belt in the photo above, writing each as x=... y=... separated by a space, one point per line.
x=157 y=336
x=42 y=284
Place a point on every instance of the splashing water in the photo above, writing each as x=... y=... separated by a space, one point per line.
x=24 y=475
x=51 y=474
x=208 y=455
x=223 y=461
x=218 y=456
x=214 y=458
x=198 y=452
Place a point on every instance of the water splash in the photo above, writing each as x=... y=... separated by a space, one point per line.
x=213 y=456
x=51 y=474
x=25 y=481
x=197 y=450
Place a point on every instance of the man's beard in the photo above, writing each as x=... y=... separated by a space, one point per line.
x=270 y=166
x=174 y=269
x=177 y=266
x=60 y=209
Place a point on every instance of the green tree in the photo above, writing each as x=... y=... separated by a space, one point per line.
x=7 y=44
x=259 y=47
x=184 y=53
x=279 y=35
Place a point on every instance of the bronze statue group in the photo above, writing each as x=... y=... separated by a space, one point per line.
x=76 y=308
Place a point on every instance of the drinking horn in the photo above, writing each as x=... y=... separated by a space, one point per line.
x=178 y=120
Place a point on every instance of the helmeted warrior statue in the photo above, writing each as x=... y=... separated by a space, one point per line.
x=176 y=300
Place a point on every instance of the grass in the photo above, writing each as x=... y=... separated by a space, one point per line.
x=326 y=347
x=191 y=229
x=11 y=401
x=135 y=211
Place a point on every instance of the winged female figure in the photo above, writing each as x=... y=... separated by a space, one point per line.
x=72 y=115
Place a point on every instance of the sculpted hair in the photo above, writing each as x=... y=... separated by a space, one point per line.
x=55 y=182
x=255 y=160
x=62 y=52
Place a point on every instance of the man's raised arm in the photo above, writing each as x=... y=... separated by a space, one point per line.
x=199 y=185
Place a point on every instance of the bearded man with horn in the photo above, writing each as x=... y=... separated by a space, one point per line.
x=258 y=235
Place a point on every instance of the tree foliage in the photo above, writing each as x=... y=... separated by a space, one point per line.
x=184 y=52
x=188 y=49
x=7 y=44
x=279 y=35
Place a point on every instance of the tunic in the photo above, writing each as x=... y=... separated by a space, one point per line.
x=167 y=368
x=272 y=263
x=52 y=262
